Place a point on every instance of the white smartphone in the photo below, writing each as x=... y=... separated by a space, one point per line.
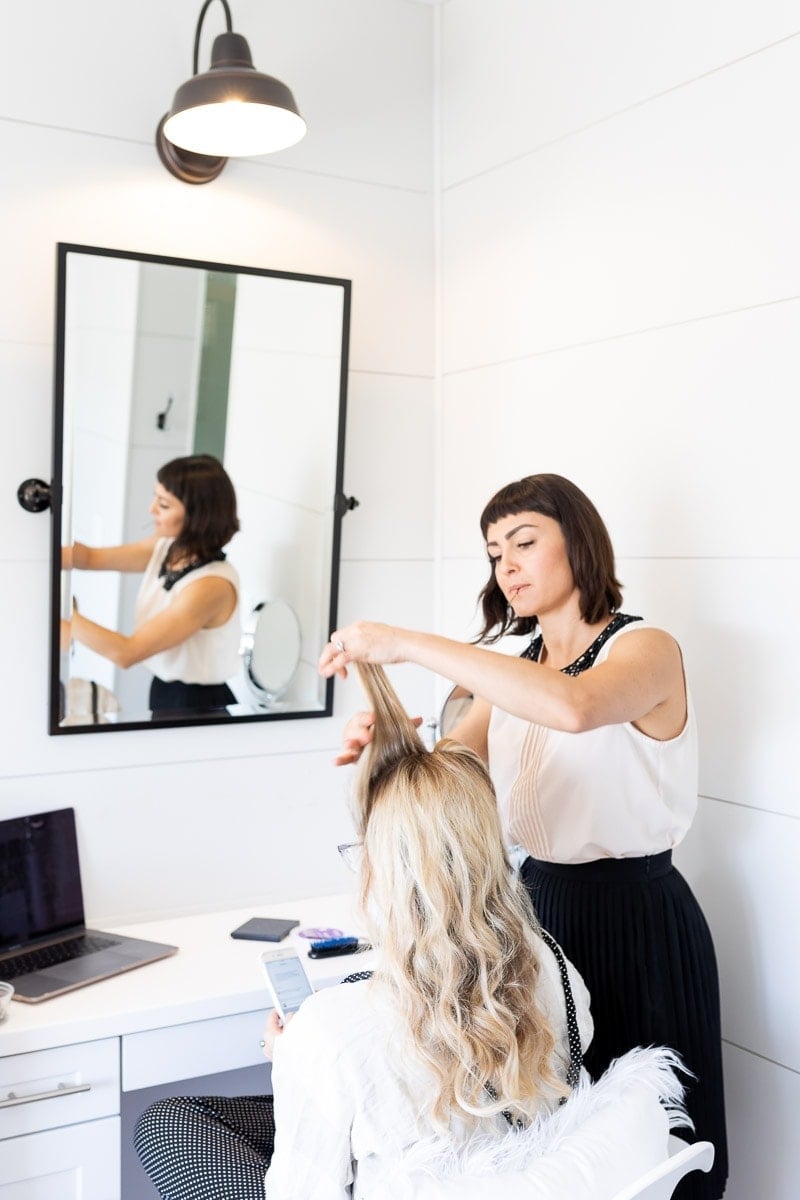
x=287 y=980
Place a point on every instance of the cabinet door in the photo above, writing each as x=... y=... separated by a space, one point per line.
x=78 y=1162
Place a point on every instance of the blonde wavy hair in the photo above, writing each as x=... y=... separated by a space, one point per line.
x=455 y=927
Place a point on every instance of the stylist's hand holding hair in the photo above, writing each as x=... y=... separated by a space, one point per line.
x=364 y=641
x=357 y=735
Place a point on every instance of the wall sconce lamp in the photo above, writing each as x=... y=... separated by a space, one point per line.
x=231 y=110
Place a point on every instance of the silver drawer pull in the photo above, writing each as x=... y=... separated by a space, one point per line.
x=61 y=1090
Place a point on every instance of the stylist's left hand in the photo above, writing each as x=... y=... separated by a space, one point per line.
x=364 y=641
x=272 y=1031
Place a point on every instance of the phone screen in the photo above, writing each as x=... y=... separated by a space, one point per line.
x=289 y=981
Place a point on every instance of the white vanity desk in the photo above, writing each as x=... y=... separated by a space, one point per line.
x=199 y=1012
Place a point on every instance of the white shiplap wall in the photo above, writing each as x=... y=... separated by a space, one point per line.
x=620 y=296
x=185 y=820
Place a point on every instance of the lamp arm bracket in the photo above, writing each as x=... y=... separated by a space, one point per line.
x=203 y=10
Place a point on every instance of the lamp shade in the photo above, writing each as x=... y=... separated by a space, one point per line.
x=232 y=110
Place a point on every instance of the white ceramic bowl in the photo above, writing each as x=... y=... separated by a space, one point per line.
x=6 y=992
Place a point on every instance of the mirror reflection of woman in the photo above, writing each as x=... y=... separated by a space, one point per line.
x=186 y=624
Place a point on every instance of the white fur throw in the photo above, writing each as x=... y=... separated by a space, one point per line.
x=604 y=1137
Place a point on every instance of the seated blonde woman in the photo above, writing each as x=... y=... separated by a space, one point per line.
x=464 y=1022
x=463 y=1026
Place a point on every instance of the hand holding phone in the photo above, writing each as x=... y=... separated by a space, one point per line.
x=287 y=981
x=273 y=1029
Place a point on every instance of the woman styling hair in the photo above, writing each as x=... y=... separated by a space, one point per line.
x=186 y=624
x=462 y=1026
x=591 y=743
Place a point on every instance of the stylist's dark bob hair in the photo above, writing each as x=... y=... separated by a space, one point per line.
x=203 y=487
x=589 y=551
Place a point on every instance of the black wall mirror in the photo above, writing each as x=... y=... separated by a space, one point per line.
x=159 y=358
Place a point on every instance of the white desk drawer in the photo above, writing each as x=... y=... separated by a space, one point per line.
x=48 y=1088
x=197 y=1048
x=81 y=1162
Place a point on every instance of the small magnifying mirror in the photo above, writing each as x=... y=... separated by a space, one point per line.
x=271 y=650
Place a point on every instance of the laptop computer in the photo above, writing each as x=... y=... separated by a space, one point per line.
x=45 y=948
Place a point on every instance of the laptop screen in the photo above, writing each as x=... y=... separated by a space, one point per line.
x=40 y=883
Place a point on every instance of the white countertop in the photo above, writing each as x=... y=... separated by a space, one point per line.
x=212 y=975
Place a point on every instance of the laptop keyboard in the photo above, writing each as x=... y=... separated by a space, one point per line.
x=51 y=956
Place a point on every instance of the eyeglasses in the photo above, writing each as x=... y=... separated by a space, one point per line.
x=351 y=854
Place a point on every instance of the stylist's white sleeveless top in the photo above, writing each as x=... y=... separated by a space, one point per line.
x=611 y=792
x=209 y=655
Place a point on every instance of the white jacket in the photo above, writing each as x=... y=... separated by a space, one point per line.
x=347 y=1106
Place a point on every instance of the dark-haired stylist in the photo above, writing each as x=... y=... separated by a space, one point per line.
x=186 y=624
x=591 y=743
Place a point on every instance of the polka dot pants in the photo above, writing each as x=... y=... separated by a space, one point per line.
x=207 y=1147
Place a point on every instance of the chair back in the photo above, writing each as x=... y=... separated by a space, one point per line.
x=610 y=1136
x=660 y=1182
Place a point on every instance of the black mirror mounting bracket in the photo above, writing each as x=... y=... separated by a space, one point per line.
x=345 y=504
x=34 y=495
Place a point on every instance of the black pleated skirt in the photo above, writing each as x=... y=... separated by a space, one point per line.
x=636 y=933
x=178 y=699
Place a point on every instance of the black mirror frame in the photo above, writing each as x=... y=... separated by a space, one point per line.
x=340 y=505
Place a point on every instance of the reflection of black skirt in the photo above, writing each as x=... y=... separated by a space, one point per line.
x=634 y=930
x=177 y=699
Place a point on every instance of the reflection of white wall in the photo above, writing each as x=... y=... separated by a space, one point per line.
x=283 y=552
x=169 y=332
x=169 y=326
x=285 y=375
x=282 y=421
x=99 y=352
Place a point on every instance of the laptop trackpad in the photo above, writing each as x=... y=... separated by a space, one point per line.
x=77 y=970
